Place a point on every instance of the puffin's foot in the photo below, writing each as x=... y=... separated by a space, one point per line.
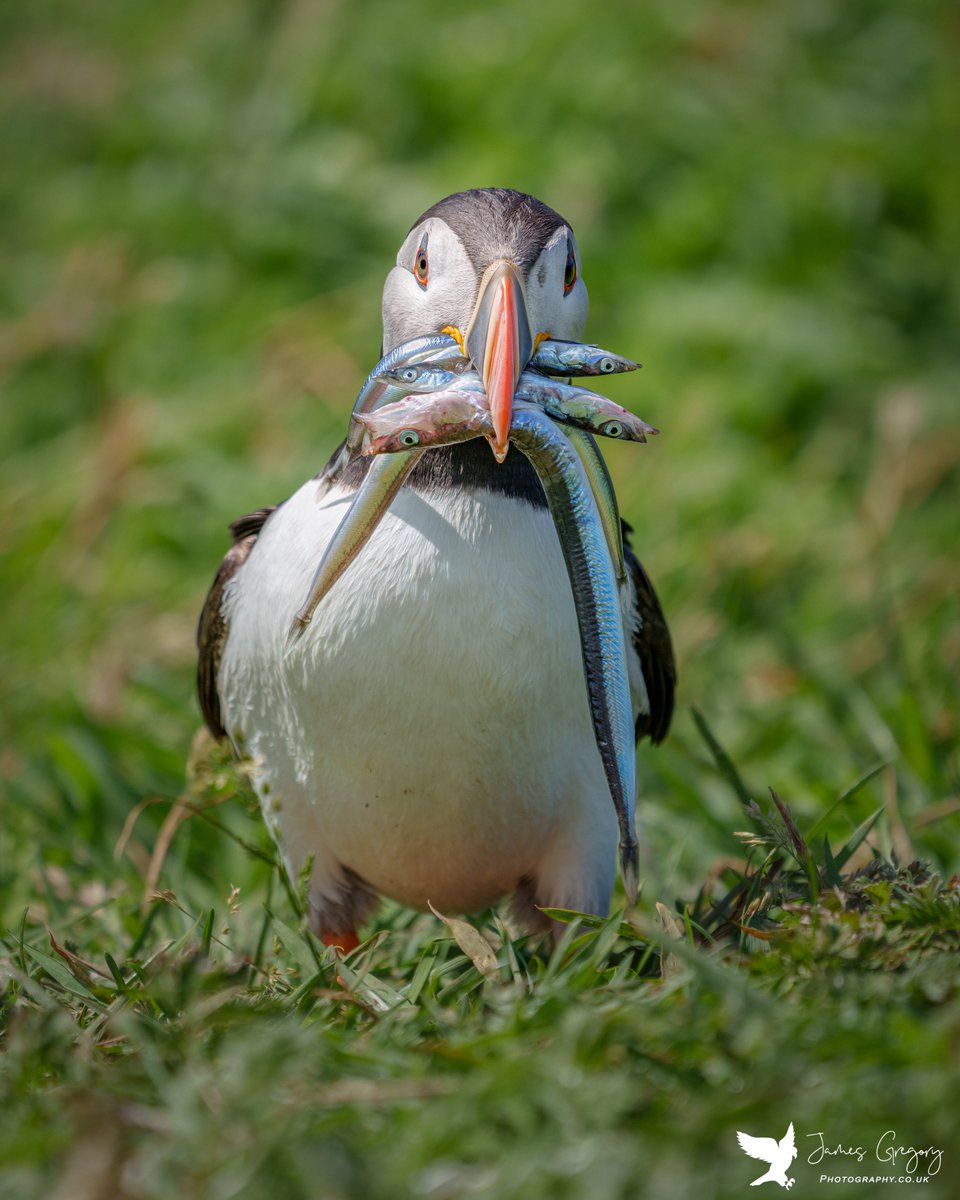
x=342 y=942
x=339 y=902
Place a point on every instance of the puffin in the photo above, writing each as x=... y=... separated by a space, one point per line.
x=428 y=739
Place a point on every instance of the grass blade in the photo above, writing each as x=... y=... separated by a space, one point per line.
x=58 y=971
x=852 y=843
x=846 y=795
x=723 y=761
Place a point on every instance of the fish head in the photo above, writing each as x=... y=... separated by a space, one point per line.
x=437 y=419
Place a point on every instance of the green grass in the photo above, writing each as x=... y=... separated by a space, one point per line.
x=200 y=201
x=217 y=1046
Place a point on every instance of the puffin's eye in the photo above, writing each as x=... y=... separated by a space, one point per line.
x=409 y=437
x=569 y=272
x=612 y=429
x=421 y=264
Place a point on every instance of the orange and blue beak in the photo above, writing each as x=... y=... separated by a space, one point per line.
x=499 y=342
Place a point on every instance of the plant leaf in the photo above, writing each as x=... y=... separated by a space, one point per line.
x=472 y=942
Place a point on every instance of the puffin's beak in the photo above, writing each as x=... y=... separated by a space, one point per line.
x=500 y=343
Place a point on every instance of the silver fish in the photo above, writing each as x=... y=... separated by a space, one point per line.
x=564 y=402
x=431 y=377
x=437 y=349
x=385 y=477
x=579 y=406
x=374 y=496
x=378 y=388
x=423 y=421
x=597 y=603
x=601 y=485
x=578 y=358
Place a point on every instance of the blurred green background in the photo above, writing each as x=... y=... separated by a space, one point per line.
x=199 y=203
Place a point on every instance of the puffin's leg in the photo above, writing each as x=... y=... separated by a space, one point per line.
x=576 y=872
x=337 y=906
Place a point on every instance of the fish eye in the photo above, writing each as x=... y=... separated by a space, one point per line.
x=409 y=437
x=421 y=264
x=569 y=271
x=612 y=429
x=409 y=374
x=607 y=365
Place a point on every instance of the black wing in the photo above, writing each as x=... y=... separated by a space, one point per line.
x=212 y=628
x=654 y=649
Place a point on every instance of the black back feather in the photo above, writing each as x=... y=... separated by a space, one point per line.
x=654 y=648
x=212 y=626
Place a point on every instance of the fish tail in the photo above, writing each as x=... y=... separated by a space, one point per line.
x=630 y=869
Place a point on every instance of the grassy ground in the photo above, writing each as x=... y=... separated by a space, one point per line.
x=200 y=201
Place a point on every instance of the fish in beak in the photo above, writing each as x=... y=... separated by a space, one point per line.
x=499 y=342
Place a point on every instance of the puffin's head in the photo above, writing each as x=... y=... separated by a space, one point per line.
x=498 y=270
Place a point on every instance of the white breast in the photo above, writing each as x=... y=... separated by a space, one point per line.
x=430 y=731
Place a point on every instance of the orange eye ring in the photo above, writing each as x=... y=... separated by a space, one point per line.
x=569 y=273
x=421 y=264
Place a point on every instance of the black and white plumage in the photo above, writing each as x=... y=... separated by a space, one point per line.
x=428 y=738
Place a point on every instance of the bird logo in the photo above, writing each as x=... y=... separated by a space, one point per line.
x=778 y=1154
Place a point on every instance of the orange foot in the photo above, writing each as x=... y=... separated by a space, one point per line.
x=344 y=942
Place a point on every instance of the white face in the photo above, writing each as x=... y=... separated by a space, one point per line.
x=434 y=286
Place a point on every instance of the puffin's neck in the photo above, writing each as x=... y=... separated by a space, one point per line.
x=467 y=466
